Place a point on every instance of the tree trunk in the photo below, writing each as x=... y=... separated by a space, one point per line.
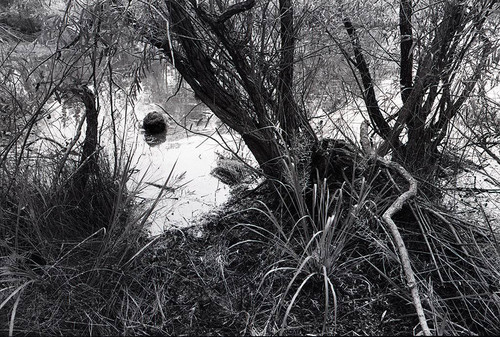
x=406 y=35
x=88 y=160
x=287 y=109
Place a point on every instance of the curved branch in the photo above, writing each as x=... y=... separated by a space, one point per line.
x=403 y=252
x=235 y=10
x=396 y=235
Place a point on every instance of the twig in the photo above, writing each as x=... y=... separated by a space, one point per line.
x=387 y=217
x=476 y=190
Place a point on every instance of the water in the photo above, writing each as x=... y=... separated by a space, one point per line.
x=346 y=121
x=184 y=152
x=190 y=157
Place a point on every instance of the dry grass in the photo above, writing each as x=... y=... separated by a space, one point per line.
x=68 y=256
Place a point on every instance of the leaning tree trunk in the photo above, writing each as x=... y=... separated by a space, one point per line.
x=250 y=94
x=88 y=161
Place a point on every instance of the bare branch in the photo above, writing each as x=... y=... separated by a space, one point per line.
x=235 y=10
x=379 y=123
x=396 y=235
x=402 y=251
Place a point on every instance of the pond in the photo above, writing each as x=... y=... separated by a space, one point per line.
x=189 y=149
x=191 y=190
x=190 y=152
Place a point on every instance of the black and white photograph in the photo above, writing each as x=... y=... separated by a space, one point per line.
x=249 y=167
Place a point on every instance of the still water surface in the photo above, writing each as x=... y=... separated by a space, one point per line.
x=191 y=157
x=191 y=190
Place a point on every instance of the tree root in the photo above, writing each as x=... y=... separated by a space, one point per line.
x=387 y=217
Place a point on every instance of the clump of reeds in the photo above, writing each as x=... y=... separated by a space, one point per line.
x=312 y=241
x=233 y=171
x=69 y=253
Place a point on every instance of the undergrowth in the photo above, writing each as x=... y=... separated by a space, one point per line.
x=284 y=259
x=68 y=251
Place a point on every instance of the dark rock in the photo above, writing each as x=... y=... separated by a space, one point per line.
x=154 y=123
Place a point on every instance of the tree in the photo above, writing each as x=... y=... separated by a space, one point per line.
x=242 y=65
x=444 y=50
x=239 y=64
x=242 y=59
x=239 y=59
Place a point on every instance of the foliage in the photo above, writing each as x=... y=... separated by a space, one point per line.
x=337 y=235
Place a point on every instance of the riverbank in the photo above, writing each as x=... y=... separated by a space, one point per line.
x=249 y=268
x=221 y=277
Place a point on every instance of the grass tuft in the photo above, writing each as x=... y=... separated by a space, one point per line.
x=69 y=254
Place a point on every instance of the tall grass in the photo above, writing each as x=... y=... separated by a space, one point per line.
x=326 y=237
x=68 y=256
x=312 y=240
x=78 y=262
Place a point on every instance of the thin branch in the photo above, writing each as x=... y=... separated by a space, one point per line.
x=396 y=235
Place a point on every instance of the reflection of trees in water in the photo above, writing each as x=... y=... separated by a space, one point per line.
x=165 y=87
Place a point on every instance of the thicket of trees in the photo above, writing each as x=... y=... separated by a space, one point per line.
x=240 y=58
x=256 y=65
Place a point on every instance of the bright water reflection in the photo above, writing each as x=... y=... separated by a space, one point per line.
x=192 y=190
x=192 y=157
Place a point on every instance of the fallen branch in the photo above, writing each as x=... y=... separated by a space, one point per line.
x=387 y=217
x=403 y=252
